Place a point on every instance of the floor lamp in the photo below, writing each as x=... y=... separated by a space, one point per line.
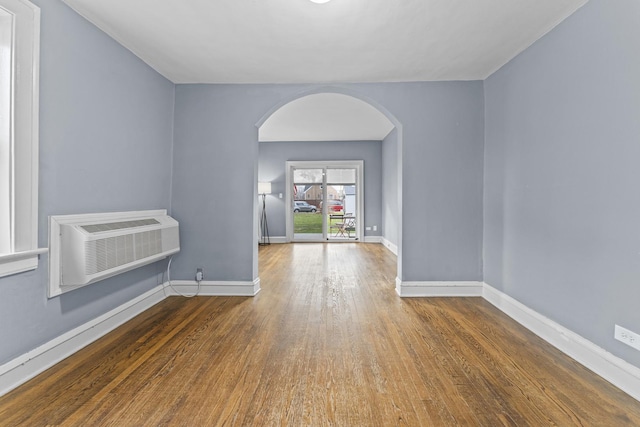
x=264 y=188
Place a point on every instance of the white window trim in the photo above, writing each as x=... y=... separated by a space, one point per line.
x=26 y=50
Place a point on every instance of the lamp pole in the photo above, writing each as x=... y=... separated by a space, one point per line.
x=264 y=188
x=264 y=226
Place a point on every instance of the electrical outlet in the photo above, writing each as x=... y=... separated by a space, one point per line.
x=199 y=274
x=627 y=337
x=368 y=228
x=375 y=228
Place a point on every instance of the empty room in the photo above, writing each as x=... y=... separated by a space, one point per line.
x=319 y=212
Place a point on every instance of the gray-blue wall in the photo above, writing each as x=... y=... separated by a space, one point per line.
x=559 y=141
x=390 y=187
x=105 y=145
x=562 y=203
x=216 y=163
x=558 y=150
x=272 y=167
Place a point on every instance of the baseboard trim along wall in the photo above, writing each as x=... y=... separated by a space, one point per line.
x=613 y=369
x=367 y=239
x=372 y=239
x=24 y=367
x=618 y=372
x=391 y=246
x=213 y=288
x=277 y=239
x=438 y=289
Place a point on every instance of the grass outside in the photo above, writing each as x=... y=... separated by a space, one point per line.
x=307 y=223
x=310 y=223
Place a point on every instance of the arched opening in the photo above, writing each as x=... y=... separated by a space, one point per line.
x=343 y=121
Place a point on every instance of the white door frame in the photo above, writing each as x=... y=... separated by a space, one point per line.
x=358 y=165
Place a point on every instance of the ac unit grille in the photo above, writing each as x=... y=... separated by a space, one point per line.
x=111 y=252
x=98 y=228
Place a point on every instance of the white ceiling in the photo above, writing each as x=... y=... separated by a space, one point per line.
x=326 y=117
x=297 y=41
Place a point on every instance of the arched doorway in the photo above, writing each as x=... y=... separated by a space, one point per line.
x=338 y=116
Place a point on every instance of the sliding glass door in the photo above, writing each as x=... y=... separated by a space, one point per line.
x=342 y=211
x=325 y=201
x=307 y=204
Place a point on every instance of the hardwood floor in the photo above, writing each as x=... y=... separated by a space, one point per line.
x=326 y=342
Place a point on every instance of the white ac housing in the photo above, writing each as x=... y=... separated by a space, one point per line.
x=87 y=248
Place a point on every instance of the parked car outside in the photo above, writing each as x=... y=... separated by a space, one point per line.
x=299 y=206
x=335 y=206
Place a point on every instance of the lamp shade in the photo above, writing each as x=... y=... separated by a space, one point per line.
x=264 y=188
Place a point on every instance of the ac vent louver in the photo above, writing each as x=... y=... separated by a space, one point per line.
x=99 y=228
x=87 y=250
x=113 y=252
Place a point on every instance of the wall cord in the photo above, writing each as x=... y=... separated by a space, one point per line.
x=174 y=289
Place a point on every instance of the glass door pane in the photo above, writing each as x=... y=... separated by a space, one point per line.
x=341 y=176
x=308 y=193
x=342 y=215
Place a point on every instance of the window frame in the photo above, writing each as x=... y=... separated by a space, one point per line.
x=23 y=230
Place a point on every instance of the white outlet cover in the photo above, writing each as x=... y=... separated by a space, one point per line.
x=626 y=336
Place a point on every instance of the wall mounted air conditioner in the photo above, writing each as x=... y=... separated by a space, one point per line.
x=84 y=249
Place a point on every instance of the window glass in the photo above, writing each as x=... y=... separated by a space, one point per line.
x=19 y=61
x=341 y=176
x=6 y=25
x=307 y=176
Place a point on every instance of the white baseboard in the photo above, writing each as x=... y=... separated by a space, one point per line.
x=372 y=239
x=277 y=239
x=613 y=369
x=391 y=246
x=213 y=288
x=24 y=367
x=620 y=373
x=367 y=239
x=438 y=289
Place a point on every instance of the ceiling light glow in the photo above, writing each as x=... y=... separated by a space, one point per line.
x=320 y=1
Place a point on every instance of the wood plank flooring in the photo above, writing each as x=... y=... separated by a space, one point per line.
x=327 y=342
